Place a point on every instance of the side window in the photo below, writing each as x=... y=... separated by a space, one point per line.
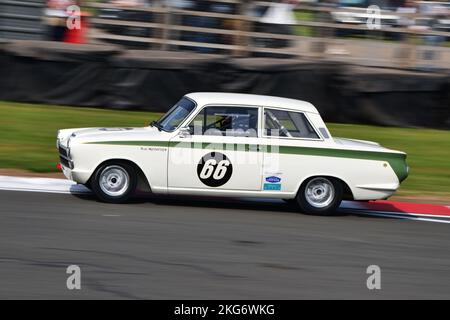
x=196 y=125
x=226 y=121
x=279 y=123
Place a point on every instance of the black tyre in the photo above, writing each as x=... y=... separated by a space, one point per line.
x=114 y=182
x=88 y=185
x=291 y=202
x=320 y=196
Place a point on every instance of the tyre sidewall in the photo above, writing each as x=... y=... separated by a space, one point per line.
x=95 y=186
x=307 y=208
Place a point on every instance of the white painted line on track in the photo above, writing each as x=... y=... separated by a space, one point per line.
x=404 y=216
x=47 y=185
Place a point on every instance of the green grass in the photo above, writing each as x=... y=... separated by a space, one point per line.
x=28 y=132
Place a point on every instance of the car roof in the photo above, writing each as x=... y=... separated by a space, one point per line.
x=204 y=98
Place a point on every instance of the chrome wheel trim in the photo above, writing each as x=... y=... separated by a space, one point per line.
x=114 y=181
x=319 y=192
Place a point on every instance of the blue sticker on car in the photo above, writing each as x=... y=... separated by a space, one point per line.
x=272 y=186
x=273 y=179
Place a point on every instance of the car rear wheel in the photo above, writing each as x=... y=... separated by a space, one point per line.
x=320 y=196
x=114 y=182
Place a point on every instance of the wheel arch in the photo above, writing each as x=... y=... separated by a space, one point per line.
x=348 y=194
x=143 y=182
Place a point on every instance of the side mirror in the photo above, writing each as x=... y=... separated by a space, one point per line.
x=184 y=132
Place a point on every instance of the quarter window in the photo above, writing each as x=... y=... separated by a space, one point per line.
x=226 y=121
x=279 y=123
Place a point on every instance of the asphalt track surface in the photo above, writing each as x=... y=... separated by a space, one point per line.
x=211 y=249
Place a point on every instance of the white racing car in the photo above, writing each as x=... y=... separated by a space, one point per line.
x=224 y=144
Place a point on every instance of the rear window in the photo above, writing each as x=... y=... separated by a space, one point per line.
x=290 y=124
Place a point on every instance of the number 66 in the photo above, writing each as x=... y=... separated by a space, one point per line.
x=217 y=172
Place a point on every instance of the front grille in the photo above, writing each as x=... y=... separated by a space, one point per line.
x=63 y=152
x=64 y=162
x=64 y=157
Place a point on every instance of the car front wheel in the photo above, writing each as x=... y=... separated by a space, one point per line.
x=114 y=182
x=320 y=196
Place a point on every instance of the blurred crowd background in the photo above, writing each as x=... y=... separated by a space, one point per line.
x=278 y=28
x=382 y=62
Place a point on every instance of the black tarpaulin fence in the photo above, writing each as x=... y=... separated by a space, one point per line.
x=108 y=77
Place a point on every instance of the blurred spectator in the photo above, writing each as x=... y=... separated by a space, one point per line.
x=277 y=19
x=77 y=32
x=426 y=22
x=407 y=7
x=404 y=21
x=123 y=10
x=205 y=22
x=129 y=3
x=56 y=18
x=279 y=13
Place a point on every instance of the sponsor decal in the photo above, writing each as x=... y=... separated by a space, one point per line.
x=214 y=169
x=152 y=149
x=273 y=179
x=272 y=186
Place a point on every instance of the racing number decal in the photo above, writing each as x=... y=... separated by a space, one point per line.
x=214 y=169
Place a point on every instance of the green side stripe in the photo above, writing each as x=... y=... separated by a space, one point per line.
x=134 y=143
x=396 y=160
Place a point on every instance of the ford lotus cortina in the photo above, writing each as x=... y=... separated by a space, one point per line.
x=233 y=145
